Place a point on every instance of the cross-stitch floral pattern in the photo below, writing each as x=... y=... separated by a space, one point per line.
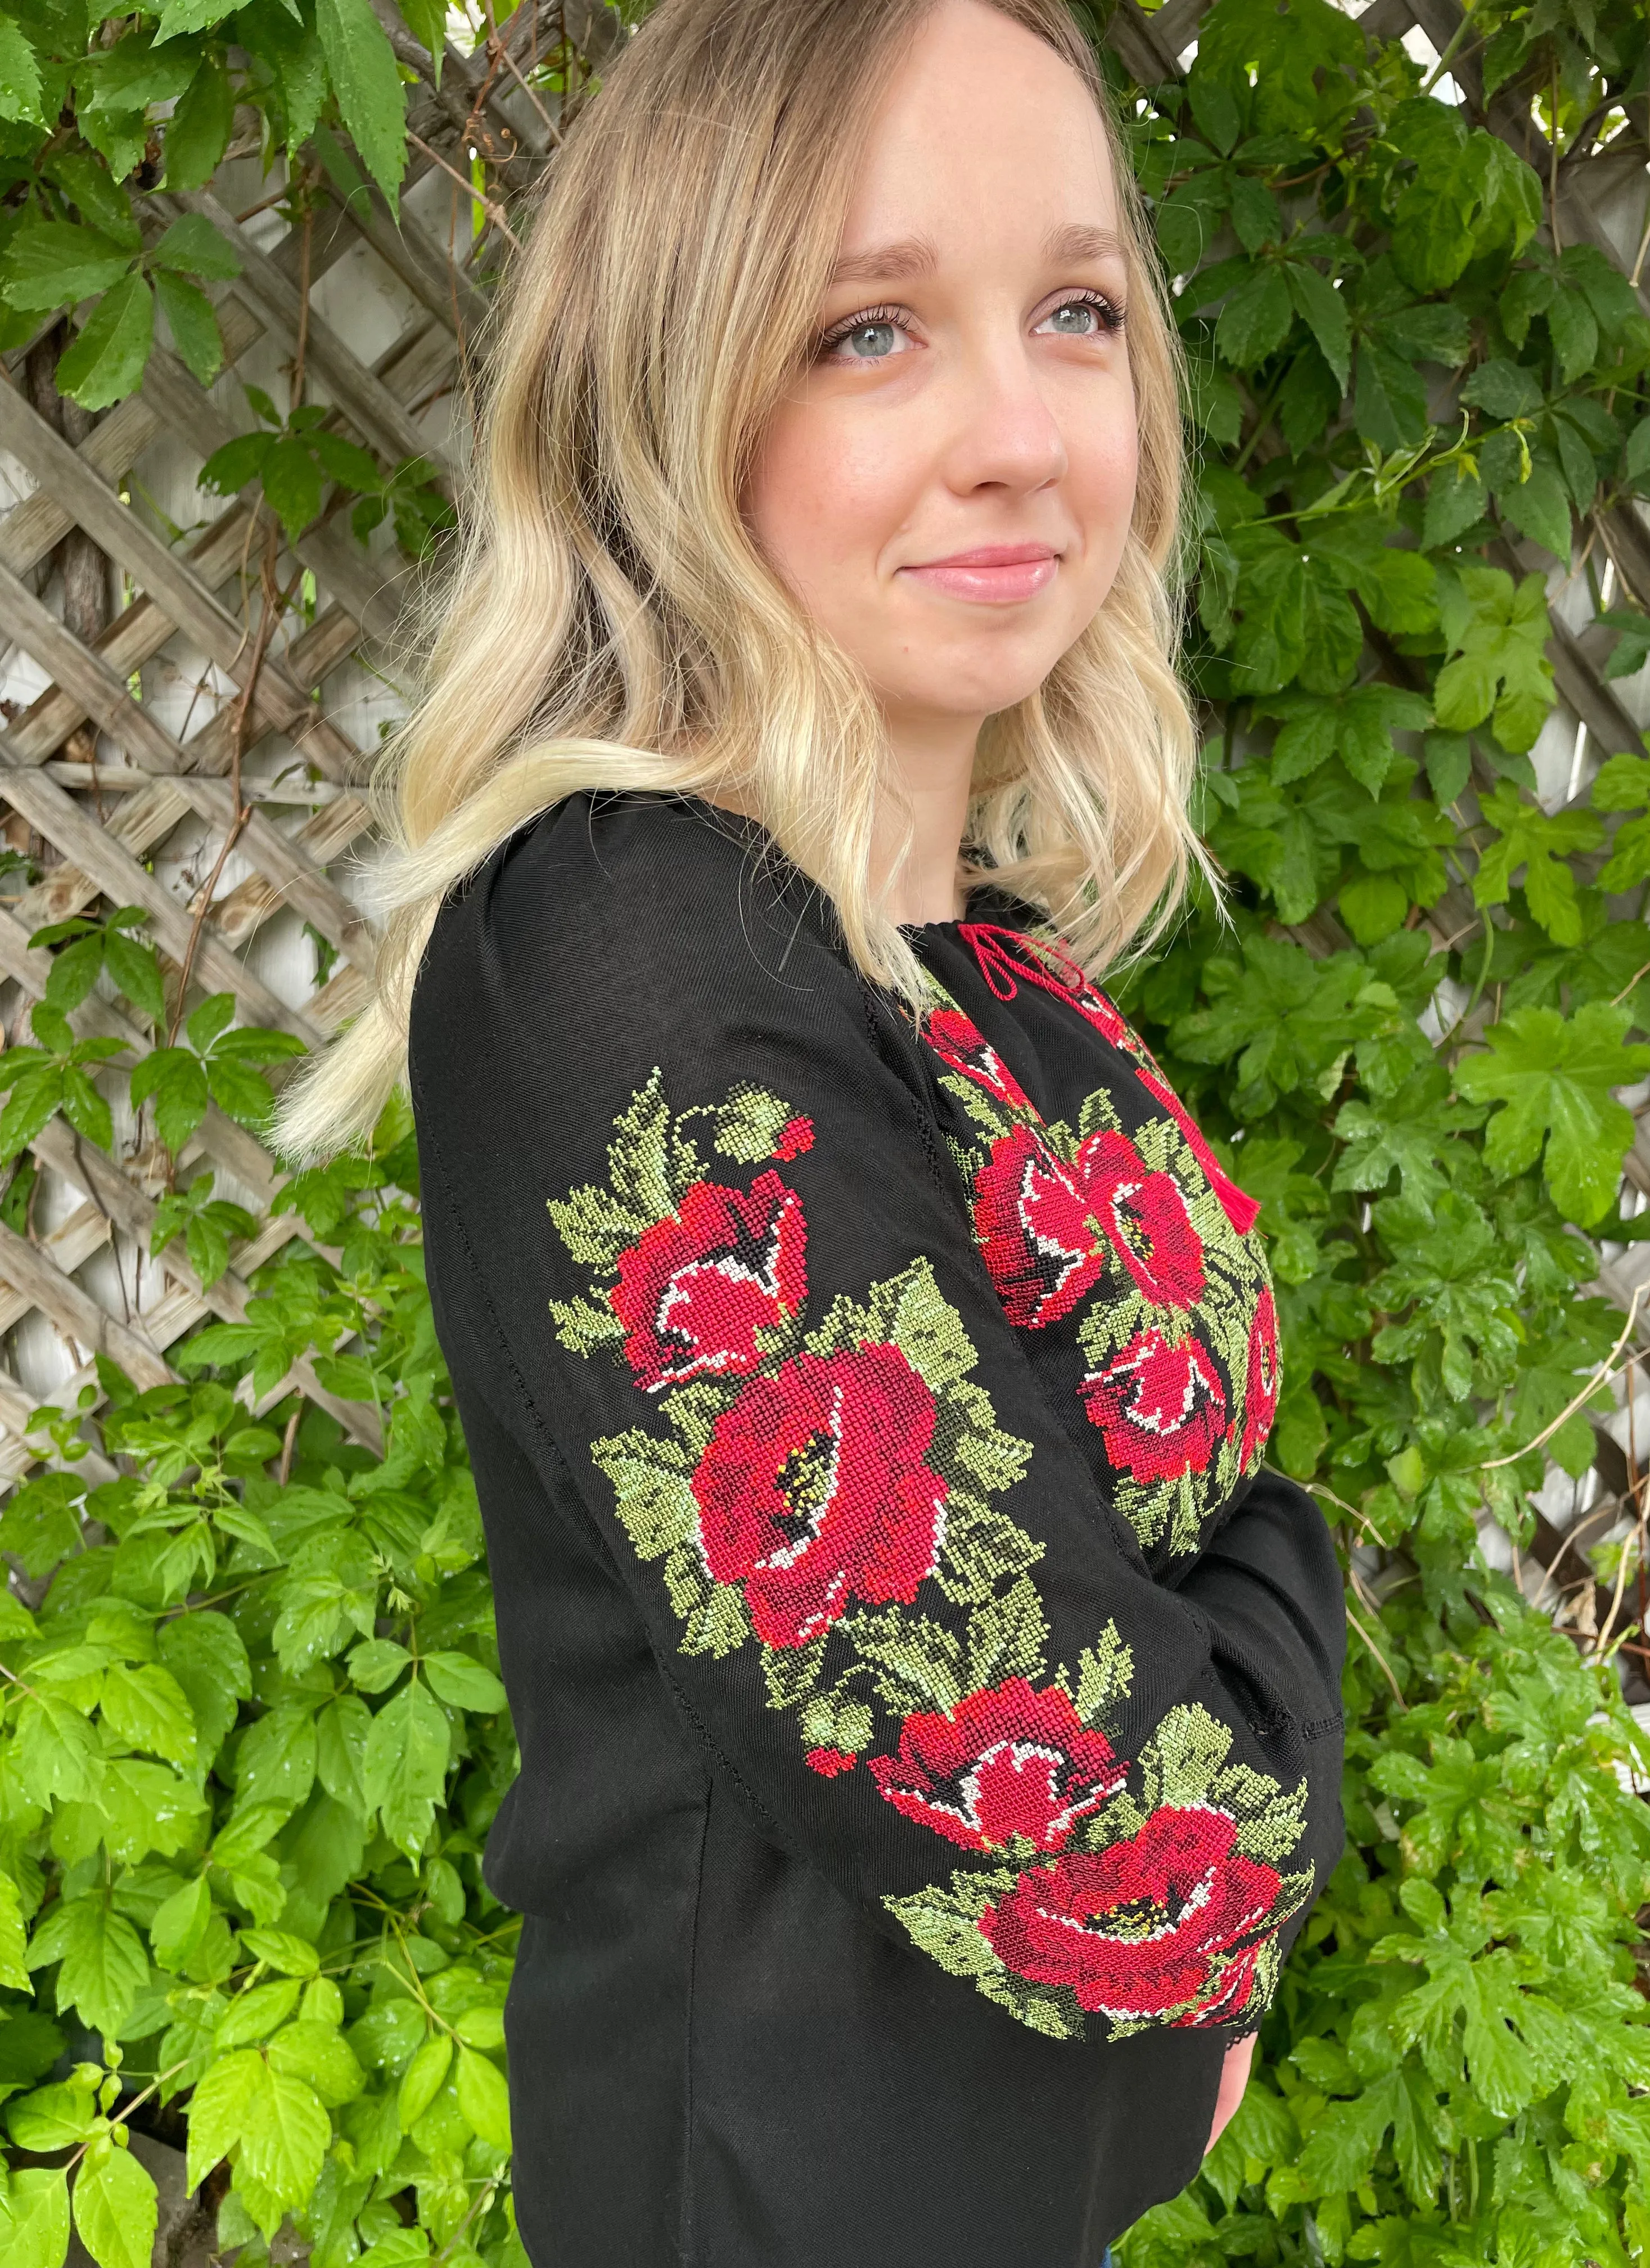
x=701 y=1285
x=1005 y=1763
x=813 y=1490
x=1140 y=1237
x=1161 y=1907
x=825 y=1495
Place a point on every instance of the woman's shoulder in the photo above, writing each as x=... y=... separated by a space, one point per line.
x=625 y=906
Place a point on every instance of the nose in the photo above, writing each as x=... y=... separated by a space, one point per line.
x=1003 y=431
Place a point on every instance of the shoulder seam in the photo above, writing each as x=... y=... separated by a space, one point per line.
x=880 y=1042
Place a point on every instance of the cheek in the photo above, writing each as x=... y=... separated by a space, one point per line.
x=1105 y=468
x=821 y=503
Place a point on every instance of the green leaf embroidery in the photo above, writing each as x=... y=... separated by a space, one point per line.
x=1007 y=1637
x=1105 y=1673
x=918 y=1662
x=652 y=1482
x=748 y=1124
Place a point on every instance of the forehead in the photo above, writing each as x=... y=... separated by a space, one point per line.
x=982 y=126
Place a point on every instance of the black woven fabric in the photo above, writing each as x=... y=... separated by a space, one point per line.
x=928 y=1704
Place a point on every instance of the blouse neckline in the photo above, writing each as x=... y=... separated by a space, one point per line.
x=721 y=815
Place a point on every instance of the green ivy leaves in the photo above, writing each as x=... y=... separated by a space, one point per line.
x=1496 y=638
x=169 y=83
x=217 y=1066
x=1553 y=1080
x=1431 y=1113
x=50 y=263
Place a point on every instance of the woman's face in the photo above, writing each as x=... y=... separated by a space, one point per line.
x=949 y=487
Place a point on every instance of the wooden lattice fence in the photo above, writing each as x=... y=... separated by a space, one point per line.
x=128 y=725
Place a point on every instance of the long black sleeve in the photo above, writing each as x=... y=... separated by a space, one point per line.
x=715 y=1275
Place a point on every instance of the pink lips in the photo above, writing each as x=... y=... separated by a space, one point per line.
x=997 y=573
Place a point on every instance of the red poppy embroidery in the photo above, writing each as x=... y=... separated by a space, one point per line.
x=957 y=1041
x=1160 y=1405
x=1008 y=1760
x=813 y=1490
x=1145 y=1216
x=1260 y=1398
x=694 y=1293
x=1035 y=1230
x=1136 y=1930
x=1241 y=1209
x=1045 y=1227
x=795 y=1136
x=829 y=1761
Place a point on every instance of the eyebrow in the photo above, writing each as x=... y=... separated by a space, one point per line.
x=1079 y=241
x=911 y=257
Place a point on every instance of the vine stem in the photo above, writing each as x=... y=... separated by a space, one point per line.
x=275 y=605
x=303 y=300
x=137 y=2103
x=498 y=46
x=286 y=1446
x=1457 y=39
x=493 y=212
x=1635 y=1489
x=1603 y=1638
x=1628 y=986
x=1585 y=1394
x=1369 y=1642
x=1644 y=250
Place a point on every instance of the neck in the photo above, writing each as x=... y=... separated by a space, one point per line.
x=933 y=761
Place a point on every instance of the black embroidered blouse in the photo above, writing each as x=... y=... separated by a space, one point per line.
x=928 y=1703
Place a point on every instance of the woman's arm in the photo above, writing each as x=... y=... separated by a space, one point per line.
x=724 y=1282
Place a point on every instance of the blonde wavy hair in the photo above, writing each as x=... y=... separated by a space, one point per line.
x=611 y=622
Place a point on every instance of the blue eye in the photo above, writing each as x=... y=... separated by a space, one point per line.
x=871 y=336
x=1088 y=317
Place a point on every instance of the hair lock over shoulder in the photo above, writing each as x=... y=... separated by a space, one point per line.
x=608 y=622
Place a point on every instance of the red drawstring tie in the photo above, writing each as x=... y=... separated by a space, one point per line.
x=1005 y=955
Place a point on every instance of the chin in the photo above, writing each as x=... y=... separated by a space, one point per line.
x=964 y=692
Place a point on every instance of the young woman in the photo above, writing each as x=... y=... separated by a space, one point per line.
x=927 y=1702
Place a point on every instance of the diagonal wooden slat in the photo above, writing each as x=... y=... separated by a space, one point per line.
x=367 y=586
x=31 y=527
x=189 y=602
x=25 y=1267
x=90 y=679
x=118 y=874
x=405 y=248
x=86 y=1166
x=277 y=303
x=96 y=827
x=229 y=1145
x=149 y=815
x=99 y=511
x=103 y=695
